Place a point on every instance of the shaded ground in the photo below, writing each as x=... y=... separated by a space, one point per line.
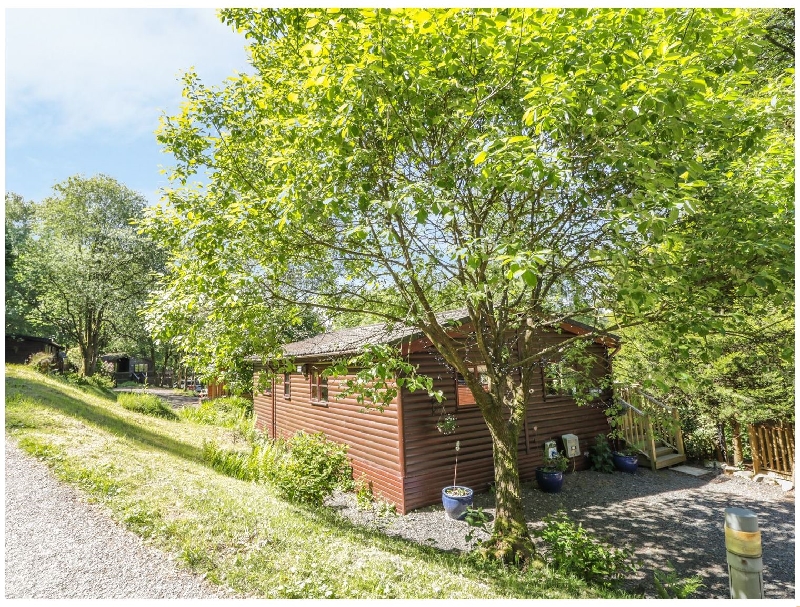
x=663 y=516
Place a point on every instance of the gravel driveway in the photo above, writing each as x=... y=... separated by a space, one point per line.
x=60 y=547
x=663 y=516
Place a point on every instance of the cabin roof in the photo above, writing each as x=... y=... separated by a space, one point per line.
x=352 y=340
x=44 y=340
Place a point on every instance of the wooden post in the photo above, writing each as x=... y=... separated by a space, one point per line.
x=755 y=449
x=651 y=442
x=678 y=433
x=743 y=547
x=783 y=466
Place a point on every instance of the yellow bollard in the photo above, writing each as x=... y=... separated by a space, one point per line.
x=743 y=546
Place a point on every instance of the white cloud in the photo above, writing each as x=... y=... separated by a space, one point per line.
x=71 y=72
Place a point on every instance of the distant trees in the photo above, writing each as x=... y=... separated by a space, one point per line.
x=77 y=265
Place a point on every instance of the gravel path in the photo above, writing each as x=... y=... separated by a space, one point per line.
x=663 y=516
x=58 y=546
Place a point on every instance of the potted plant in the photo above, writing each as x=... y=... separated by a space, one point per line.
x=626 y=459
x=456 y=499
x=550 y=475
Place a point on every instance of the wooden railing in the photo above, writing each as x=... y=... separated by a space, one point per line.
x=645 y=421
x=772 y=447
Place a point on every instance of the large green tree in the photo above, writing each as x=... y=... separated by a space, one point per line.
x=18 y=220
x=84 y=270
x=527 y=164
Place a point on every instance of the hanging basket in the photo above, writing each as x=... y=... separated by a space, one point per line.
x=447 y=424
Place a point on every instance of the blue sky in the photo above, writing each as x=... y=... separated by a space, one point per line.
x=85 y=89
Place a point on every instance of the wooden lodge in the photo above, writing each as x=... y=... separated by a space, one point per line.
x=20 y=348
x=400 y=451
x=128 y=368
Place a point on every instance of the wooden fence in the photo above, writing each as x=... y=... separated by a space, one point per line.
x=772 y=447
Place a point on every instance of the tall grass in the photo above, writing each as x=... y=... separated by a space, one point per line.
x=305 y=469
x=232 y=412
x=147 y=404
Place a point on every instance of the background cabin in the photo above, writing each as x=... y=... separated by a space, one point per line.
x=400 y=451
x=19 y=349
x=129 y=368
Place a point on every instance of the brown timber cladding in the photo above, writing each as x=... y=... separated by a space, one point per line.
x=373 y=438
x=430 y=456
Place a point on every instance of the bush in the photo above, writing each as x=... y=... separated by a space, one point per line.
x=314 y=467
x=669 y=586
x=227 y=412
x=230 y=463
x=259 y=465
x=305 y=469
x=99 y=381
x=600 y=455
x=147 y=404
x=42 y=362
x=571 y=549
x=232 y=412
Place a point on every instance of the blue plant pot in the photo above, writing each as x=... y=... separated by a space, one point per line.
x=625 y=463
x=549 y=482
x=455 y=506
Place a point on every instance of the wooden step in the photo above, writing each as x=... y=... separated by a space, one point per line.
x=672 y=459
x=664 y=450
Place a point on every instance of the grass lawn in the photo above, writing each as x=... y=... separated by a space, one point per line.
x=149 y=472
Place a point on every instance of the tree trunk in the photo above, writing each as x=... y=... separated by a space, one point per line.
x=510 y=541
x=736 y=437
x=89 y=360
x=722 y=443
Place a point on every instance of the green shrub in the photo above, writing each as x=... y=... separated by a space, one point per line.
x=235 y=464
x=259 y=465
x=364 y=496
x=42 y=362
x=100 y=381
x=305 y=469
x=600 y=455
x=571 y=549
x=147 y=404
x=314 y=468
x=227 y=412
x=669 y=586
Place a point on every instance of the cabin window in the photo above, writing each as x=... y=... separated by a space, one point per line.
x=464 y=396
x=319 y=387
x=268 y=387
x=554 y=379
x=287 y=385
